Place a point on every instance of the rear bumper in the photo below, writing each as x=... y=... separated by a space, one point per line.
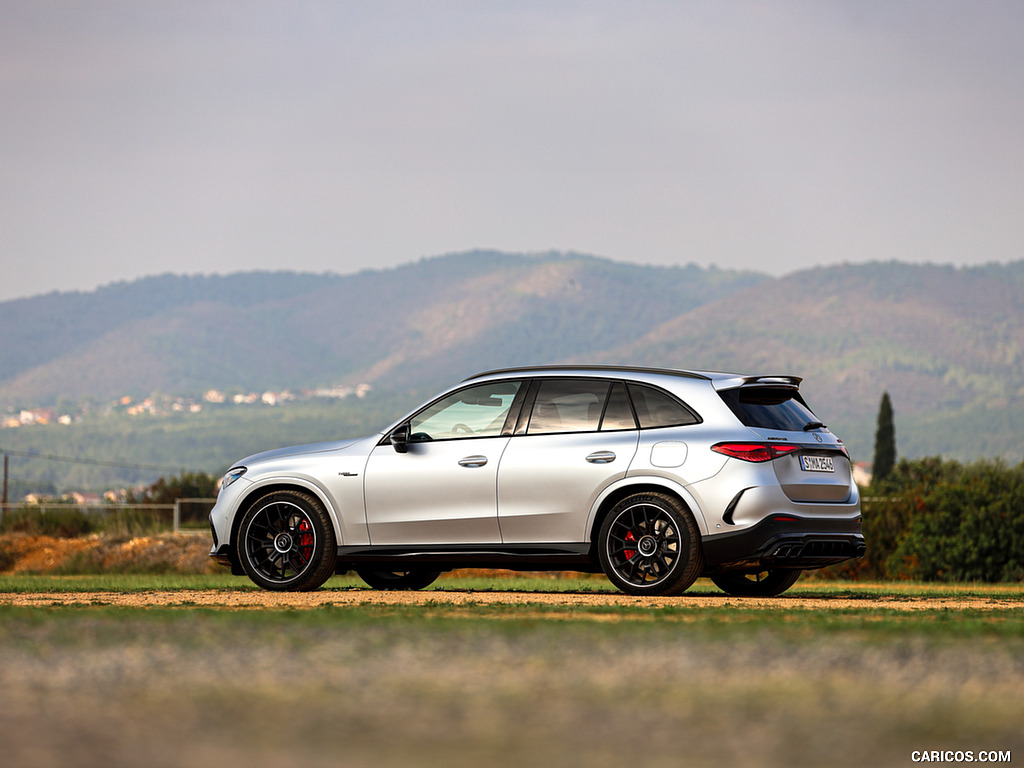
x=785 y=541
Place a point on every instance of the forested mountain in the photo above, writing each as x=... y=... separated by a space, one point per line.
x=946 y=343
x=407 y=327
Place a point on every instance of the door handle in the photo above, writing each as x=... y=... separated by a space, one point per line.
x=601 y=457
x=473 y=461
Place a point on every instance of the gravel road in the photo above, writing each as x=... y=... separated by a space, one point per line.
x=254 y=599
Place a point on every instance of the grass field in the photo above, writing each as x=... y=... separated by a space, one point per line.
x=508 y=684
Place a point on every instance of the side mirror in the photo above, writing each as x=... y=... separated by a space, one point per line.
x=400 y=438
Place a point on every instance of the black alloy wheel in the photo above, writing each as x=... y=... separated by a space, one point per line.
x=767 y=583
x=649 y=545
x=404 y=580
x=286 y=542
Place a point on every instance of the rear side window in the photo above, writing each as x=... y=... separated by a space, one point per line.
x=769 y=408
x=618 y=414
x=568 y=405
x=655 y=408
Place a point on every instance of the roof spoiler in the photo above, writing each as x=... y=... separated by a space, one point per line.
x=785 y=382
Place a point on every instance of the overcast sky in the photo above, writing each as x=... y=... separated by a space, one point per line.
x=138 y=138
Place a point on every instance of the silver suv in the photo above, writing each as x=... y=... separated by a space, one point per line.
x=654 y=477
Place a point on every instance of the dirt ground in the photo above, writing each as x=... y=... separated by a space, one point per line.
x=22 y=553
x=248 y=599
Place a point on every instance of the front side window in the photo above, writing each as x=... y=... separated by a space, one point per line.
x=472 y=412
x=568 y=405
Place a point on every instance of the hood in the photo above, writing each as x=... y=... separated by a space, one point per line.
x=297 y=450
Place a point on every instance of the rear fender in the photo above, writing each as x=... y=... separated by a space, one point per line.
x=640 y=484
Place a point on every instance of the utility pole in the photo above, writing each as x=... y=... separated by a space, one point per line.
x=6 y=462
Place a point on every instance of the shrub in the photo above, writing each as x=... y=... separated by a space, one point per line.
x=59 y=522
x=969 y=528
x=934 y=519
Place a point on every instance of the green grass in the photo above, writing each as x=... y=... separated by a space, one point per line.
x=509 y=684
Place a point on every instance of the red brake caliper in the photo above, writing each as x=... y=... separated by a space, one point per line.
x=629 y=552
x=306 y=540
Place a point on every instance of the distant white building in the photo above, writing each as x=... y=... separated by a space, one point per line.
x=213 y=396
x=862 y=474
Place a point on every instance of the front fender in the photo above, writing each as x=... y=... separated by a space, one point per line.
x=305 y=483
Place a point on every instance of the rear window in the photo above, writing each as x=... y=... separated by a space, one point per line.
x=778 y=408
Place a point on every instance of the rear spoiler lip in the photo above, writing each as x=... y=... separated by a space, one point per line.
x=775 y=380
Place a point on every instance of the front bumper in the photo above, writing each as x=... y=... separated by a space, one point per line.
x=785 y=541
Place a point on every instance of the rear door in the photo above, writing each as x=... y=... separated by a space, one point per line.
x=574 y=438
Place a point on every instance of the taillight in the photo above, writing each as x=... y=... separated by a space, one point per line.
x=756 y=452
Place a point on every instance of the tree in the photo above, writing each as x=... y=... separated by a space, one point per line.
x=188 y=485
x=885 y=441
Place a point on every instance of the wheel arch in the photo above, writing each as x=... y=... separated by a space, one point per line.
x=629 y=486
x=261 y=489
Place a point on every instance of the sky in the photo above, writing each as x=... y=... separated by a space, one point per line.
x=139 y=138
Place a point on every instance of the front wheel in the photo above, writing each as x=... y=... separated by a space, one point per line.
x=649 y=545
x=385 y=580
x=766 y=583
x=286 y=542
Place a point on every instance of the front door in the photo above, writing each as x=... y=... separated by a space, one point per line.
x=443 y=489
x=438 y=493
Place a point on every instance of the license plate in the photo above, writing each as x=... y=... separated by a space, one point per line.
x=817 y=464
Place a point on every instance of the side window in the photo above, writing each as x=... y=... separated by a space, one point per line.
x=568 y=405
x=655 y=408
x=618 y=414
x=478 y=411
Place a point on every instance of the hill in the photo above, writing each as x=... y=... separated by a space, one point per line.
x=405 y=327
x=946 y=343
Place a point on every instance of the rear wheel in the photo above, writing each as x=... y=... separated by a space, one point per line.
x=286 y=542
x=417 y=579
x=649 y=545
x=767 y=583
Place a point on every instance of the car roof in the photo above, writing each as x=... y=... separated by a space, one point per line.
x=719 y=379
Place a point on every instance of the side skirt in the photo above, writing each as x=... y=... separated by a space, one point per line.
x=557 y=557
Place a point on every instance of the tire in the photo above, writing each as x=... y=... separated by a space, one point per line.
x=286 y=542
x=649 y=544
x=767 y=583
x=385 y=580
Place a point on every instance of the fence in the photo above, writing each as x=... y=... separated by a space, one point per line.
x=188 y=514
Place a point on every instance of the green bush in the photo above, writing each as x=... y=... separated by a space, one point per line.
x=67 y=522
x=969 y=528
x=938 y=520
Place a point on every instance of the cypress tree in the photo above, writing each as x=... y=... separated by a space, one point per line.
x=885 y=441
